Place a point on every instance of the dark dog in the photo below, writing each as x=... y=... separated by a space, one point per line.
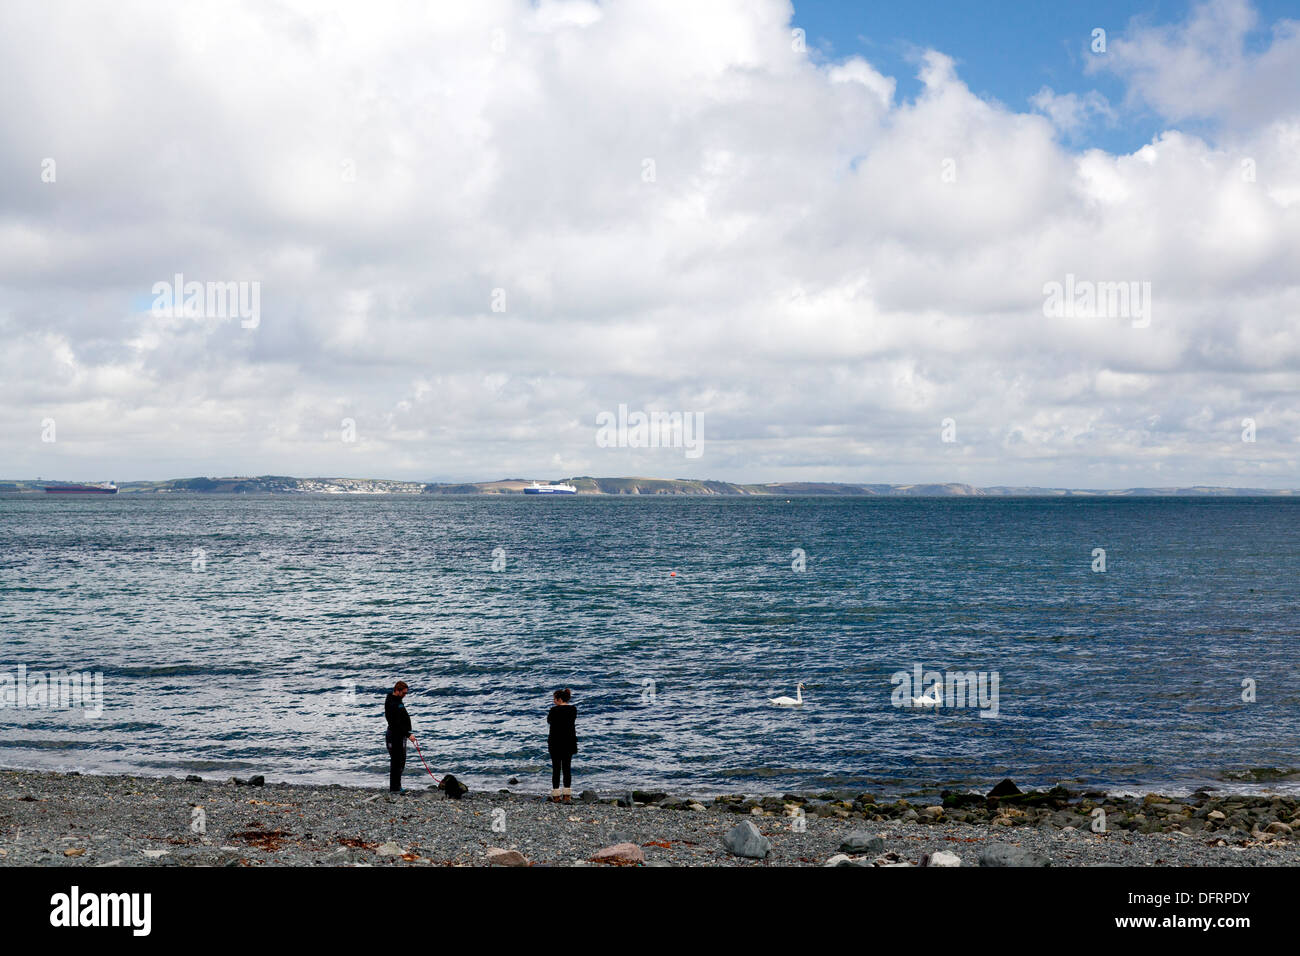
x=452 y=787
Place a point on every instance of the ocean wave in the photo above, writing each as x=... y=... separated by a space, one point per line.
x=181 y=670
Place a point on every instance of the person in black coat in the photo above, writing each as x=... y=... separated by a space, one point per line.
x=562 y=742
x=398 y=733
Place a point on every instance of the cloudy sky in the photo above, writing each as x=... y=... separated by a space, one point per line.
x=473 y=228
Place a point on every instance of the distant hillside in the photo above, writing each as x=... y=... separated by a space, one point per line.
x=586 y=485
x=689 y=486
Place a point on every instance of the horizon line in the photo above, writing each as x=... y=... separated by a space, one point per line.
x=1278 y=490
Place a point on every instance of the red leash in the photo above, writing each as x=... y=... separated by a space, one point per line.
x=423 y=761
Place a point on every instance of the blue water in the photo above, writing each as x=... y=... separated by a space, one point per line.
x=275 y=657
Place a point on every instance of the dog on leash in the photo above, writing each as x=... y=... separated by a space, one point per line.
x=452 y=787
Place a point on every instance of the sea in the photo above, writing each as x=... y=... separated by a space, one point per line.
x=1123 y=644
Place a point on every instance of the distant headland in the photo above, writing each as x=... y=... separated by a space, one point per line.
x=586 y=485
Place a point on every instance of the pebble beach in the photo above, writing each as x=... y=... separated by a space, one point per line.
x=54 y=819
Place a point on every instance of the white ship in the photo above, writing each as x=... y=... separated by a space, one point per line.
x=560 y=489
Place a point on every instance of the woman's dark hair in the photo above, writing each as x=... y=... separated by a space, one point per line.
x=400 y=686
x=564 y=694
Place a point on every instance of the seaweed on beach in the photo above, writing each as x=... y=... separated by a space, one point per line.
x=269 y=840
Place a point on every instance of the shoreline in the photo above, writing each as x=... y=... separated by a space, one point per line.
x=49 y=818
x=534 y=781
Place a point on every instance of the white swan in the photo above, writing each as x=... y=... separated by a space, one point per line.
x=796 y=701
x=928 y=700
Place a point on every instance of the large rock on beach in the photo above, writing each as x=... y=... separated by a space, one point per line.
x=1004 y=854
x=744 y=840
x=958 y=801
x=620 y=854
x=496 y=856
x=859 y=841
x=1006 y=788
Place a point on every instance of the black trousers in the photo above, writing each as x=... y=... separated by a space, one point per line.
x=560 y=764
x=396 y=761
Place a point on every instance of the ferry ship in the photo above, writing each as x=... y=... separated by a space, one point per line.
x=107 y=488
x=560 y=489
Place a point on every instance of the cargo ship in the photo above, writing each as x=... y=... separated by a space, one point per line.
x=561 y=489
x=105 y=489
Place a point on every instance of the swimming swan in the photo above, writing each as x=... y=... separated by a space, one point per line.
x=928 y=700
x=796 y=701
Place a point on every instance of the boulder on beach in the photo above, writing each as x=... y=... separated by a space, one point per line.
x=1005 y=789
x=620 y=854
x=859 y=841
x=941 y=858
x=744 y=840
x=496 y=856
x=1004 y=854
x=258 y=781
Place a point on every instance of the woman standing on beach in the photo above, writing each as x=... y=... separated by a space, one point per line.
x=562 y=742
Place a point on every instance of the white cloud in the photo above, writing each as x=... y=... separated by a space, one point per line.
x=821 y=270
x=1204 y=67
x=1069 y=112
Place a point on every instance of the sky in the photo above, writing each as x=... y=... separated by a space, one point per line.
x=920 y=242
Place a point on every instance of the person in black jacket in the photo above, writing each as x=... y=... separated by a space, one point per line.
x=398 y=733
x=562 y=742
